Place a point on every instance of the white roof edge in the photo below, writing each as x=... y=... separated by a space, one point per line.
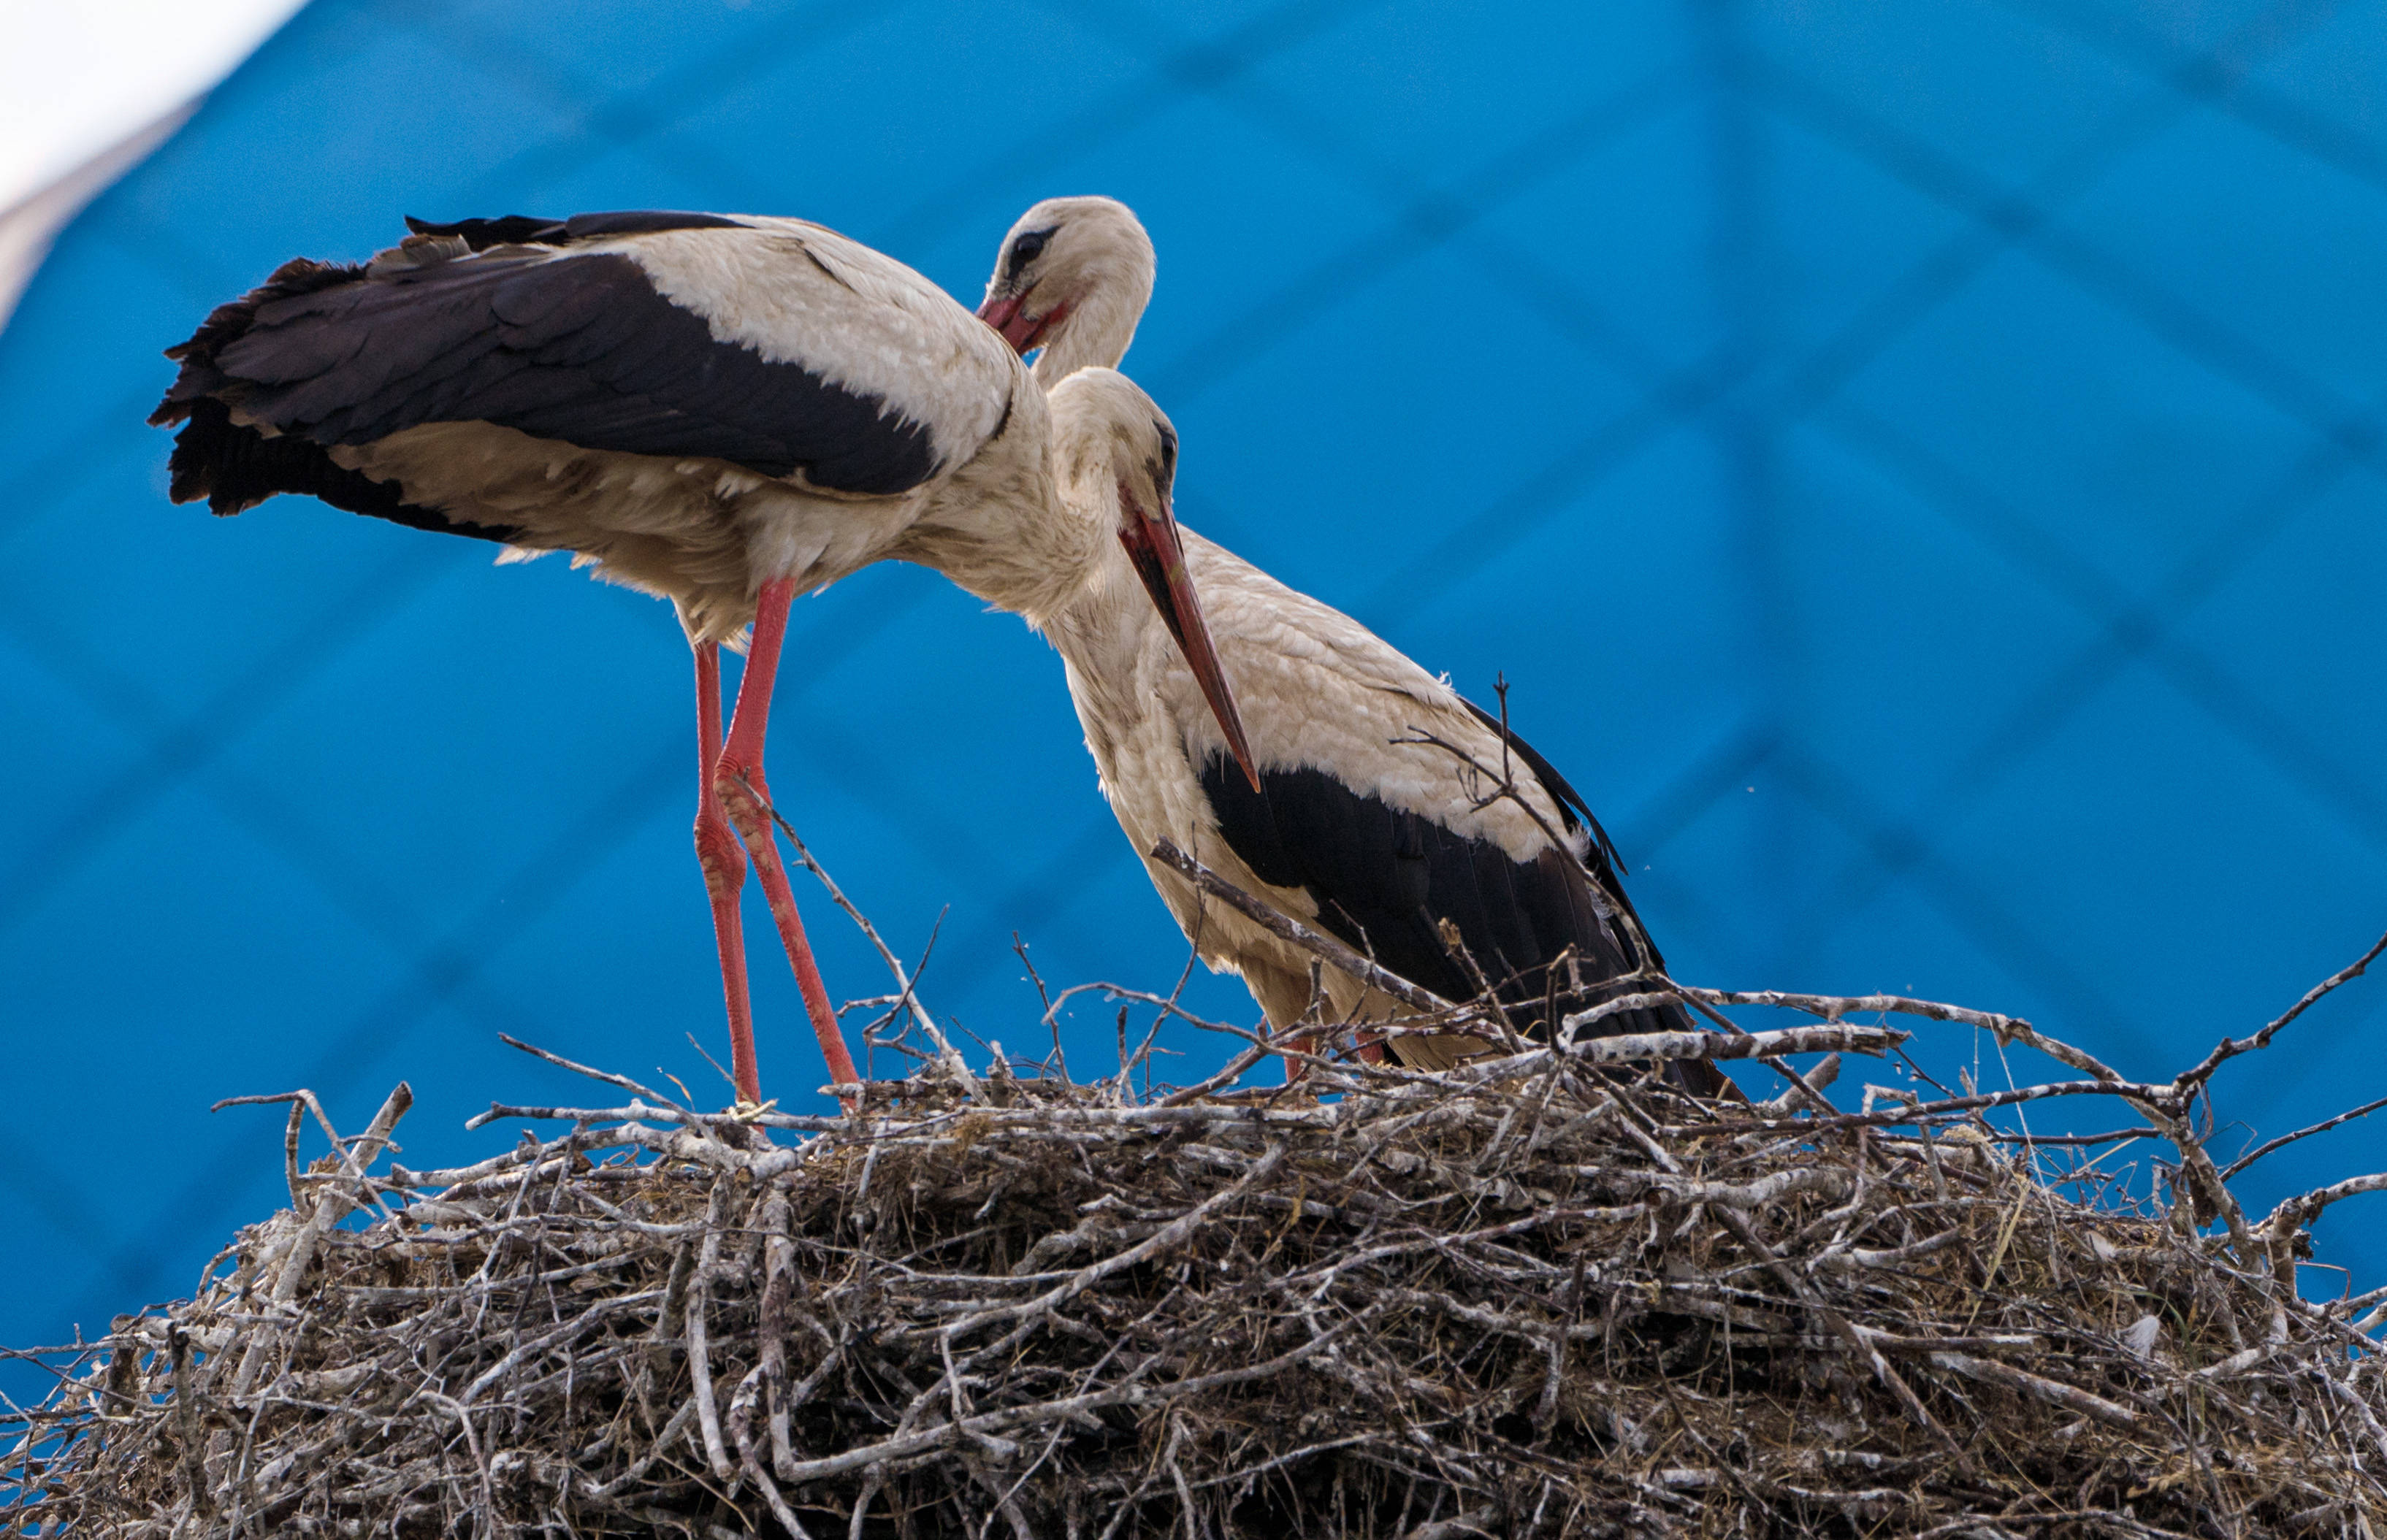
x=28 y=226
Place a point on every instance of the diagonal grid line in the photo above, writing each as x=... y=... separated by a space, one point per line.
x=2001 y=224
x=2268 y=378
x=2018 y=220
x=2130 y=627
x=195 y=741
x=2282 y=119
x=1972 y=909
x=49 y=1192
x=2037 y=716
x=1481 y=540
x=1419 y=226
x=444 y=968
x=631 y=118
x=1437 y=214
x=1191 y=68
x=968 y=957
x=1740 y=279
x=1464 y=549
x=457 y=958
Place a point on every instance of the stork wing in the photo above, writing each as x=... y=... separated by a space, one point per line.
x=1575 y=813
x=1383 y=877
x=674 y=335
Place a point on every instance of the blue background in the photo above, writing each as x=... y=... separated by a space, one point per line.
x=1920 y=467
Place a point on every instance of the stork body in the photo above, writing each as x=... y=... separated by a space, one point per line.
x=722 y=411
x=1386 y=803
x=692 y=403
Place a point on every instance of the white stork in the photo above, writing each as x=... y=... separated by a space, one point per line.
x=722 y=411
x=1071 y=279
x=1376 y=812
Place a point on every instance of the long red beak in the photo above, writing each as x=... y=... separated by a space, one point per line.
x=1152 y=545
x=1025 y=333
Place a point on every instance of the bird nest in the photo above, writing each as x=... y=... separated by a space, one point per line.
x=1537 y=1294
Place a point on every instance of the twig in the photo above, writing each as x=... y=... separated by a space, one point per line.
x=2297 y=1213
x=699 y=1358
x=329 y=1207
x=607 y=1076
x=2365 y=1110
x=1316 y=942
x=1872 y=1041
x=2229 y=1048
x=2070 y=1397
x=186 y=1422
x=907 y=993
x=1833 y=1007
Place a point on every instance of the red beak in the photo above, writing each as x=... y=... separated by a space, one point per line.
x=1025 y=333
x=1152 y=545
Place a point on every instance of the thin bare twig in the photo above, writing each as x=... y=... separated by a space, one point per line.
x=2231 y=1048
x=2259 y=1151
x=606 y=1076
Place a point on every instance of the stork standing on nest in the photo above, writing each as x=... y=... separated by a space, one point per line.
x=723 y=412
x=1385 y=804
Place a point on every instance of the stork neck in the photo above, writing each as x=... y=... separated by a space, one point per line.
x=1107 y=613
x=1094 y=334
x=1004 y=530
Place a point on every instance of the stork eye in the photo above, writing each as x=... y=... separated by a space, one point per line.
x=1168 y=448
x=1025 y=250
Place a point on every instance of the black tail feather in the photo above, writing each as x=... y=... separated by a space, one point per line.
x=234 y=468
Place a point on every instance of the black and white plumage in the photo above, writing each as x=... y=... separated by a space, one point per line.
x=1377 y=813
x=691 y=402
x=725 y=411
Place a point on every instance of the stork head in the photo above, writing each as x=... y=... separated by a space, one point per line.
x=1073 y=278
x=1117 y=453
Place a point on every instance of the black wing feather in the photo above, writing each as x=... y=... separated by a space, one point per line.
x=529 y=230
x=237 y=467
x=1573 y=813
x=582 y=349
x=1383 y=878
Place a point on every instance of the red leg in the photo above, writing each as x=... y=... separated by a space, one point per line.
x=738 y=780
x=725 y=872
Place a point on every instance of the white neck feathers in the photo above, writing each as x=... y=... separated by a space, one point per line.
x=1100 y=325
